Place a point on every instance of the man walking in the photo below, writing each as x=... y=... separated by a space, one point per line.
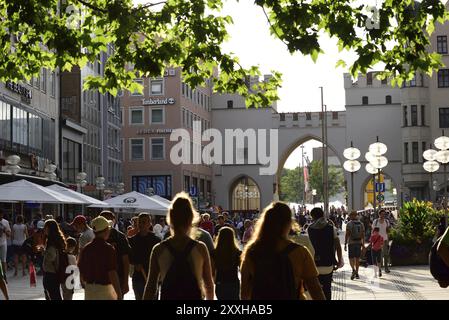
x=120 y=243
x=324 y=238
x=98 y=265
x=384 y=227
x=80 y=225
x=141 y=246
x=355 y=239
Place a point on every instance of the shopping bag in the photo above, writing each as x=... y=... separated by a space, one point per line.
x=32 y=272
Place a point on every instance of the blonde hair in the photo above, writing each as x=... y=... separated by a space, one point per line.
x=270 y=227
x=182 y=214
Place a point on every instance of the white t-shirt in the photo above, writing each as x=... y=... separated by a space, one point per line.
x=19 y=234
x=86 y=237
x=6 y=228
x=382 y=228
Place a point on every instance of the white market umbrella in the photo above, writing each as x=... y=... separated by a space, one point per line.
x=26 y=191
x=160 y=199
x=76 y=195
x=137 y=202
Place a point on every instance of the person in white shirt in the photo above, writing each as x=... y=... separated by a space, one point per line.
x=384 y=226
x=18 y=235
x=5 y=232
x=79 y=223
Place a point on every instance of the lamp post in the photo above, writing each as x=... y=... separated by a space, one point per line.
x=313 y=194
x=442 y=156
x=81 y=181
x=100 y=186
x=246 y=197
x=50 y=170
x=120 y=188
x=431 y=165
x=377 y=158
x=352 y=165
x=302 y=166
x=13 y=162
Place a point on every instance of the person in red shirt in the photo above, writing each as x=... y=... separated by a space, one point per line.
x=376 y=243
x=206 y=224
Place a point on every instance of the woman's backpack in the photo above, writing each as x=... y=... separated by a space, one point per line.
x=180 y=282
x=274 y=278
x=438 y=268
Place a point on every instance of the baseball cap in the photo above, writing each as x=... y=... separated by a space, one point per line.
x=40 y=224
x=80 y=219
x=100 y=223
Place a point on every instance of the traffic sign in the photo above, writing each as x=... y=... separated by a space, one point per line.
x=193 y=191
x=380 y=197
x=380 y=187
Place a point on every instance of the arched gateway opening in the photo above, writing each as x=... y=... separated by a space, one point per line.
x=245 y=194
x=299 y=176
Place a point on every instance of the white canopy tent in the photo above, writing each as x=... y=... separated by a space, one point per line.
x=26 y=191
x=73 y=194
x=137 y=202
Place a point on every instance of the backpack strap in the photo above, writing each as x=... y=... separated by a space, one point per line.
x=180 y=254
x=289 y=248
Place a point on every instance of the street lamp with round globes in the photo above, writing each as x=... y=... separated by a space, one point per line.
x=100 y=185
x=442 y=156
x=429 y=154
x=377 y=148
x=352 y=165
x=13 y=164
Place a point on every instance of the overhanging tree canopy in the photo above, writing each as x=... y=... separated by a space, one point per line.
x=189 y=33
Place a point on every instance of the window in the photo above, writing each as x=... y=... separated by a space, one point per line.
x=157 y=149
x=369 y=79
x=442 y=44
x=157 y=116
x=364 y=100
x=183 y=90
x=415 y=153
x=136 y=116
x=295 y=117
x=186 y=183
x=422 y=79
x=444 y=117
x=423 y=115
x=414 y=116
x=308 y=116
x=137 y=149
x=387 y=99
x=157 y=87
x=71 y=160
x=37 y=81
x=334 y=115
x=136 y=93
x=443 y=78
x=52 y=84
x=405 y=152
x=44 y=79
x=5 y=123
x=423 y=145
x=413 y=81
x=230 y=104
x=282 y=116
x=384 y=81
x=405 y=116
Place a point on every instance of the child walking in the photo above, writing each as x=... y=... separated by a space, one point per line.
x=376 y=243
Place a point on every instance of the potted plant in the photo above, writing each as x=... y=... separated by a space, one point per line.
x=414 y=233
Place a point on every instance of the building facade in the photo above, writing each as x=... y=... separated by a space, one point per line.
x=29 y=121
x=166 y=104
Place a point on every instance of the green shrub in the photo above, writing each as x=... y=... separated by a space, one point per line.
x=416 y=224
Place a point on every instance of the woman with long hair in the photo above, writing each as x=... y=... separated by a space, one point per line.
x=55 y=244
x=181 y=263
x=273 y=267
x=18 y=236
x=227 y=261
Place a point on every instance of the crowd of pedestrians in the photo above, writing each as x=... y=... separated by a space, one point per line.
x=277 y=254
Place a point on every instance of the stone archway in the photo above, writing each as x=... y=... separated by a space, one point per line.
x=288 y=150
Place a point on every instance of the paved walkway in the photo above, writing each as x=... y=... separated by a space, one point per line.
x=402 y=283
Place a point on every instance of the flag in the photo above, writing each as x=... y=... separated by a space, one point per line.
x=306 y=179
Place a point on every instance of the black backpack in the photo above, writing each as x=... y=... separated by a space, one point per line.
x=274 y=278
x=180 y=282
x=438 y=269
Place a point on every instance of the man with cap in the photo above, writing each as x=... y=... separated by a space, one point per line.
x=98 y=265
x=120 y=243
x=80 y=225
